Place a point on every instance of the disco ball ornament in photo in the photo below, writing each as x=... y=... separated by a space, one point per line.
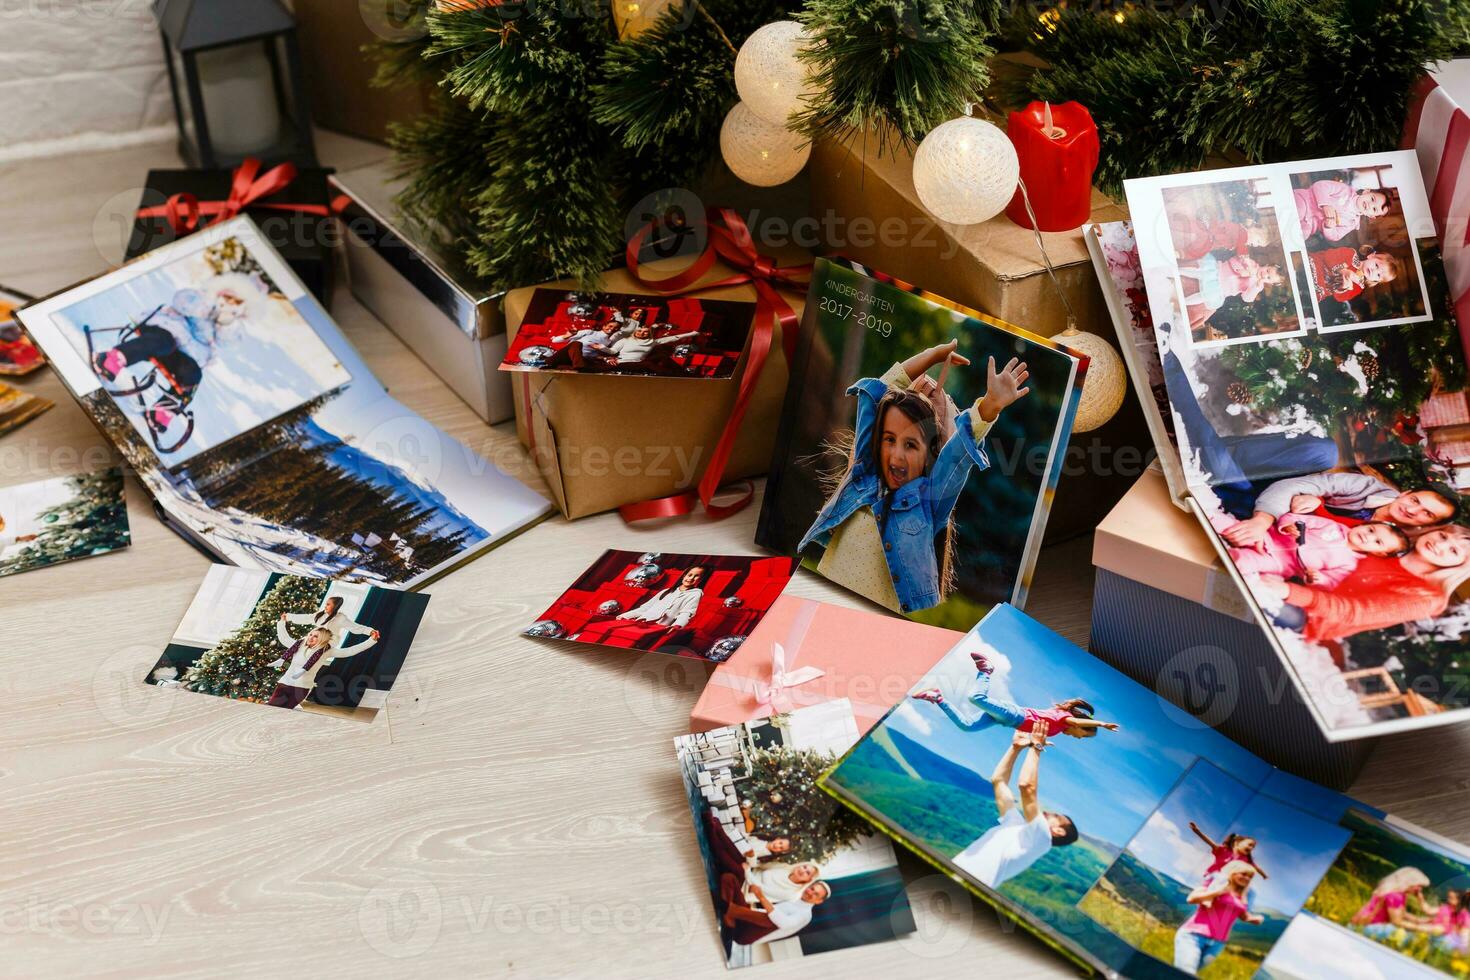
x=734 y=602
x=547 y=627
x=685 y=351
x=536 y=356
x=610 y=608
x=650 y=557
x=966 y=171
x=643 y=575
x=724 y=649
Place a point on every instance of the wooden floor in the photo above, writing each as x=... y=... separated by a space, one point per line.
x=517 y=812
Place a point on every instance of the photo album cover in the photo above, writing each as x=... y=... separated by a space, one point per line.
x=17 y=354
x=256 y=426
x=1138 y=841
x=327 y=647
x=790 y=871
x=618 y=333
x=1315 y=377
x=61 y=519
x=700 y=606
x=919 y=448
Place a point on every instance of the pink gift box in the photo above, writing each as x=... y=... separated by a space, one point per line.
x=871 y=659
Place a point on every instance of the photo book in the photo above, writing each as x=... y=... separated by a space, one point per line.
x=311 y=644
x=261 y=434
x=624 y=334
x=702 y=606
x=61 y=519
x=1138 y=841
x=17 y=354
x=1291 y=335
x=790 y=872
x=919 y=448
x=19 y=407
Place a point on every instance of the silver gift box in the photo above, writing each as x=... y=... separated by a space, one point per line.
x=452 y=325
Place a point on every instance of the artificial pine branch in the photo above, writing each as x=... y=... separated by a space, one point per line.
x=1270 y=80
x=518 y=55
x=910 y=64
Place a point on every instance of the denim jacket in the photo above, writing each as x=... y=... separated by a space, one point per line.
x=918 y=510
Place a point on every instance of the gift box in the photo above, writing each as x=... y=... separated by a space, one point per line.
x=603 y=441
x=1438 y=131
x=295 y=219
x=869 y=210
x=1167 y=613
x=439 y=310
x=805 y=652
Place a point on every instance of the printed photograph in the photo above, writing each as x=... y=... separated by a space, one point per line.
x=1330 y=467
x=62 y=519
x=1214 y=877
x=618 y=333
x=1362 y=260
x=1231 y=270
x=991 y=769
x=350 y=484
x=332 y=648
x=919 y=449
x=790 y=871
x=700 y=606
x=19 y=407
x=1402 y=892
x=199 y=350
x=17 y=354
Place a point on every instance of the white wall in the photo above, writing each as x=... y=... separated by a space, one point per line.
x=80 y=74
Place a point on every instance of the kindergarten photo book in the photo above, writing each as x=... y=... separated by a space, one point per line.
x=1291 y=328
x=919 y=448
x=261 y=434
x=1138 y=841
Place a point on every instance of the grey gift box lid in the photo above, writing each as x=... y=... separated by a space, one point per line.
x=377 y=222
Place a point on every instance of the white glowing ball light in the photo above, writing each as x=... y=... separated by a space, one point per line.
x=761 y=153
x=1106 y=382
x=769 y=77
x=966 y=171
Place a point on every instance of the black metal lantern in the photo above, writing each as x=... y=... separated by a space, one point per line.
x=240 y=68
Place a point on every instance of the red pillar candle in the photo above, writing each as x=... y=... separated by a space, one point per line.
x=1057 y=146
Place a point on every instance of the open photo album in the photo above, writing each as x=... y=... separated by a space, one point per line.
x=919 y=448
x=261 y=434
x=1138 y=841
x=1290 y=330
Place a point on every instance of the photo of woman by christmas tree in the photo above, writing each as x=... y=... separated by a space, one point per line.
x=790 y=871
x=296 y=643
x=59 y=520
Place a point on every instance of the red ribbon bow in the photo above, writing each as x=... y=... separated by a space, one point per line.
x=183 y=211
x=729 y=239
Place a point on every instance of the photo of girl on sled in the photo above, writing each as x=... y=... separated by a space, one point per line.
x=197 y=351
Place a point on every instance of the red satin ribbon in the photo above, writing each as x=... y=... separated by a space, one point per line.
x=729 y=239
x=183 y=211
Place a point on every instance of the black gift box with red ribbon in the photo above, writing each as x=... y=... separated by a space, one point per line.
x=292 y=207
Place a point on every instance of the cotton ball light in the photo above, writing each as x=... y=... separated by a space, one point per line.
x=769 y=77
x=761 y=153
x=633 y=17
x=1106 y=381
x=966 y=171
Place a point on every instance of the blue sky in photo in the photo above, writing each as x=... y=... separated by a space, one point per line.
x=1109 y=784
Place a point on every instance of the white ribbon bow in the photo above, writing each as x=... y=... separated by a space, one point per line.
x=775 y=695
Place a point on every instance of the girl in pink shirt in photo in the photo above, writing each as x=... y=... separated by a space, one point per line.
x=1317 y=550
x=1235 y=847
x=1385 y=916
x=1451 y=922
x=1220 y=902
x=1332 y=209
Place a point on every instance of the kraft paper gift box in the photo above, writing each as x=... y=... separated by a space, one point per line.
x=602 y=441
x=827 y=652
x=870 y=212
x=444 y=316
x=1167 y=613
